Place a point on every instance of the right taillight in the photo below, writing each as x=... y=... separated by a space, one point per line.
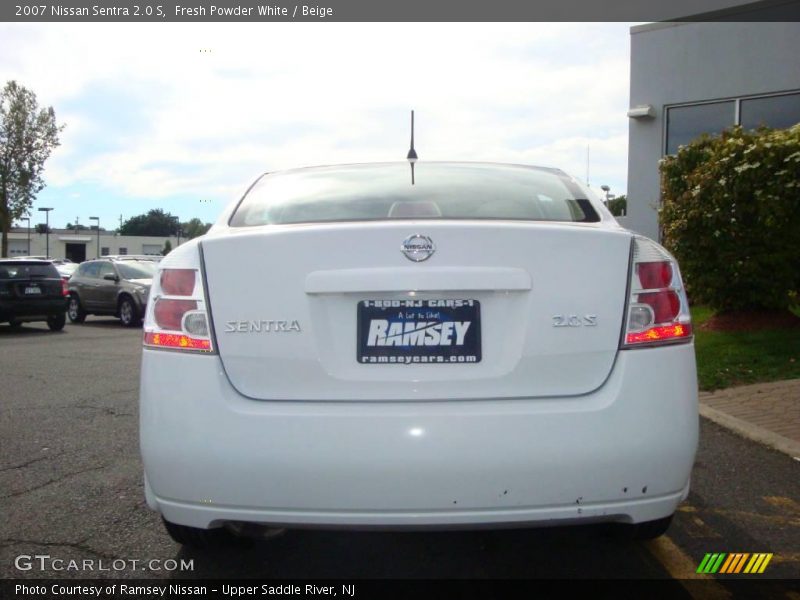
x=177 y=318
x=658 y=311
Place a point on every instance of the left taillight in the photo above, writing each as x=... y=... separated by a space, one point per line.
x=177 y=315
x=657 y=311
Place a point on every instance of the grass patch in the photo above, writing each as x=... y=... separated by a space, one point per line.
x=725 y=359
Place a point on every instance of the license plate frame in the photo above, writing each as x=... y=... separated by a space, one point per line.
x=415 y=331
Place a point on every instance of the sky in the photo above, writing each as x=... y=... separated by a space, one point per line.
x=184 y=116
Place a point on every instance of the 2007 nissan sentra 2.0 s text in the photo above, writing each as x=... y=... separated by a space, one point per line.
x=481 y=346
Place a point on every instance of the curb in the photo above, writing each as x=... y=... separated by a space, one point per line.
x=751 y=431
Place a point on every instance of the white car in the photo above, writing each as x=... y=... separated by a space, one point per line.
x=485 y=346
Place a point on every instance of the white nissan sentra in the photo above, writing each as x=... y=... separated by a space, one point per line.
x=481 y=346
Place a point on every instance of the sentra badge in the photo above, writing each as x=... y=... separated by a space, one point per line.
x=265 y=326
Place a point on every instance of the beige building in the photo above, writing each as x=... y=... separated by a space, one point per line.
x=83 y=244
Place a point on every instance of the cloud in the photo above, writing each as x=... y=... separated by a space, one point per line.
x=151 y=116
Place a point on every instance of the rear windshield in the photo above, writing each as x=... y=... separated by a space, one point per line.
x=23 y=270
x=136 y=270
x=438 y=191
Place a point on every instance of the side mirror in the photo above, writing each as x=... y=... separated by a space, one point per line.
x=111 y=277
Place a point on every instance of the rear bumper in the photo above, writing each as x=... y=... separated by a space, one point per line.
x=623 y=453
x=32 y=309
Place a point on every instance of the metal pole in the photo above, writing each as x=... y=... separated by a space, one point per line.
x=98 y=233
x=46 y=211
x=28 y=220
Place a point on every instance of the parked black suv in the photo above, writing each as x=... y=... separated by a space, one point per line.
x=111 y=286
x=32 y=290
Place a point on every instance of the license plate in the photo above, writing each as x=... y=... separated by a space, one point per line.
x=32 y=290
x=415 y=331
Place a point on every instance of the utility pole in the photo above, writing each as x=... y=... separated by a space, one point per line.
x=98 y=233
x=28 y=219
x=46 y=211
x=587 y=165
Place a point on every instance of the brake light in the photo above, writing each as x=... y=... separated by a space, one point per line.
x=177 y=316
x=658 y=311
x=178 y=282
x=654 y=274
x=169 y=340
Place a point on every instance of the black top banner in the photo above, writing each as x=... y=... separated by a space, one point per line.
x=398 y=11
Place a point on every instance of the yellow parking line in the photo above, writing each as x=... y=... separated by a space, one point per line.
x=743 y=515
x=680 y=566
x=784 y=503
x=787 y=557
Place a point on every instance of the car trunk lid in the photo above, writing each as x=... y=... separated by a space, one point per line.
x=292 y=307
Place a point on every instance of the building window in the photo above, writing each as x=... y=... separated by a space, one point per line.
x=779 y=112
x=685 y=123
x=123 y=251
x=104 y=251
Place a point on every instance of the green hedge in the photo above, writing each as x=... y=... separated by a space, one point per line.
x=731 y=215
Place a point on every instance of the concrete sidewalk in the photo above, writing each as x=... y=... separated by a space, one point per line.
x=768 y=413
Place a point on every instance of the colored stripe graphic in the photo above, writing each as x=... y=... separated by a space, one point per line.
x=740 y=564
x=727 y=564
x=734 y=563
x=767 y=558
x=711 y=563
x=755 y=562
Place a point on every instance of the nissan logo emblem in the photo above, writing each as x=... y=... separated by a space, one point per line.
x=418 y=247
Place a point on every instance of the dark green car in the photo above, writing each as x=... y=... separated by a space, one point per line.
x=117 y=287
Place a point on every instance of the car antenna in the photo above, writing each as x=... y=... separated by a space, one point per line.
x=412 y=154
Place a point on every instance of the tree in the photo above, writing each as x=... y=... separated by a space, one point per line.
x=156 y=223
x=618 y=206
x=167 y=248
x=195 y=228
x=28 y=136
x=79 y=227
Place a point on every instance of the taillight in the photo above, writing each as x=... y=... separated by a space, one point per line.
x=169 y=313
x=177 y=315
x=64 y=287
x=178 y=282
x=658 y=311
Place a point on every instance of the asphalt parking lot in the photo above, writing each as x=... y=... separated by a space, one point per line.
x=70 y=487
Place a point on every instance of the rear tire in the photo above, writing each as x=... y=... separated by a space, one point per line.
x=196 y=537
x=75 y=311
x=128 y=313
x=56 y=322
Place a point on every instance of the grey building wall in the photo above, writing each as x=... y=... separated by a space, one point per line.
x=59 y=238
x=674 y=63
